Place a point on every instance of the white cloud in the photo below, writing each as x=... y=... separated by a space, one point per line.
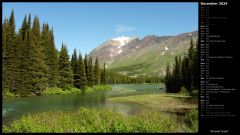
x=123 y=28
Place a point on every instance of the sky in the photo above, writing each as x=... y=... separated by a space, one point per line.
x=84 y=26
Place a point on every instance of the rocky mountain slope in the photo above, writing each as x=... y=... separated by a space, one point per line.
x=146 y=56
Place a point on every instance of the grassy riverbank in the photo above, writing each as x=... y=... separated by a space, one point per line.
x=151 y=119
x=93 y=120
x=167 y=102
x=66 y=90
x=161 y=102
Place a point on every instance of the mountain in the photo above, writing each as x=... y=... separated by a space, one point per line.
x=147 y=56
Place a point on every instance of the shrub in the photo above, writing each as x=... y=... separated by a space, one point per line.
x=88 y=89
x=184 y=91
x=55 y=90
x=194 y=93
x=191 y=120
x=8 y=94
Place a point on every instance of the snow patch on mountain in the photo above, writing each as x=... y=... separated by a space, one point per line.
x=119 y=51
x=123 y=40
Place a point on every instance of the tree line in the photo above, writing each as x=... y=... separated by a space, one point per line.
x=31 y=62
x=184 y=72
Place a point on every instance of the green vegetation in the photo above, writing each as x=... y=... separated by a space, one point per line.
x=93 y=120
x=7 y=94
x=167 y=102
x=159 y=102
x=191 y=120
x=97 y=88
x=68 y=90
x=54 y=91
x=184 y=91
x=184 y=73
x=64 y=68
x=96 y=72
x=32 y=64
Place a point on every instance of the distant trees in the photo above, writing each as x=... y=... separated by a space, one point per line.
x=185 y=72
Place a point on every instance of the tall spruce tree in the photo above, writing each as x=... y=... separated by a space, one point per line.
x=38 y=67
x=64 y=68
x=168 y=79
x=176 y=76
x=195 y=67
x=4 y=47
x=104 y=76
x=86 y=66
x=81 y=73
x=185 y=73
x=9 y=62
x=90 y=75
x=51 y=55
x=74 y=62
x=96 y=72
x=52 y=61
x=190 y=64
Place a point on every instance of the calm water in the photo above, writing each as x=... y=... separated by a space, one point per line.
x=15 y=108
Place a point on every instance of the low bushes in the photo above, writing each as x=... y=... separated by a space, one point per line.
x=55 y=90
x=191 y=120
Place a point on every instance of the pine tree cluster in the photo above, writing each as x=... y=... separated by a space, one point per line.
x=184 y=72
x=31 y=62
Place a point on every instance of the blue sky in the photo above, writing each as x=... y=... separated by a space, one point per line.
x=86 y=25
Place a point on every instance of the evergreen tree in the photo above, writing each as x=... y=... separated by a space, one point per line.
x=4 y=47
x=37 y=67
x=53 y=62
x=18 y=78
x=176 y=76
x=24 y=28
x=65 y=71
x=168 y=79
x=51 y=55
x=10 y=57
x=86 y=66
x=195 y=68
x=90 y=74
x=81 y=73
x=185 y=73
x=96 y=72
x=24 y=61
x=74 y=62
x=104 y=76
x=26 y=84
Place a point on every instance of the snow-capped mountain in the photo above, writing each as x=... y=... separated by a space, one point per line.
x=149 y=55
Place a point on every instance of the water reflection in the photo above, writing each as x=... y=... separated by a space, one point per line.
x=15 y=108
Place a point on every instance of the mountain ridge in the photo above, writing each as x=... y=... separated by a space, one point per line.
x=144 y=53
